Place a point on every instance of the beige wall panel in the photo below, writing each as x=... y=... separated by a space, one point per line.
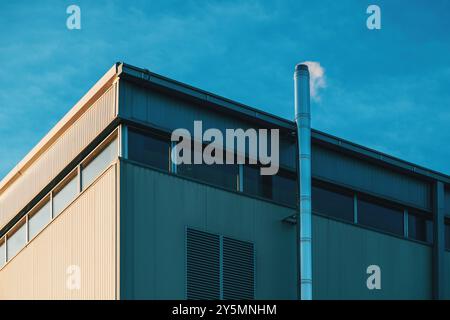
x=58 y=155
x=83 y=235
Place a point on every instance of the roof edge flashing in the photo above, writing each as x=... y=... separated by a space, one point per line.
x=205 y=96
x=60 y=127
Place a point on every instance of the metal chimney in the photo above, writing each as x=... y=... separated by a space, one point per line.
x=303 y=121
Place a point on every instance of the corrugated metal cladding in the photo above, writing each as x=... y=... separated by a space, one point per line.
x=155 y=210
x=53 y=160
x=82 y=238
x=342 y=253
x=342 y=169
x=153 y=107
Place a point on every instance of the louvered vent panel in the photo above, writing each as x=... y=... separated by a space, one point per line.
x=238 y=269
x=203 y=265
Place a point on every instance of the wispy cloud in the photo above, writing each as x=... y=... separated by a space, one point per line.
x=244 y=50
x=317 y=78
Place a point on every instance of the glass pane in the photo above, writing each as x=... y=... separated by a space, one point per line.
x=380 y=217
x=65 y=196
x=257 y=184
x=420 y=228
x=2 y=253
x=148 y=149
x=332 y=204
x=281 y=187
x=93 y=169
x=224 y=175
x=284 y=185
x=39 y=220
x=16 y=241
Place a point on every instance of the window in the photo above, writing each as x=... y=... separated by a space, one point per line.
x=420 y=227
x=224 y=175
x=379 y=216
x=96 y=165
x=39 y=218
x=65 y=195
x=2 y=252
x=218 y=267
x=281 y=187
x=284 y=186
x=255 y=183
x=149 y=149
x=16 y=239
x=332 y=203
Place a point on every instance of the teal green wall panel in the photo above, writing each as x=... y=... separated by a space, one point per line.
x=155 y=108
x=342 y=253
x=157 y=207
x=155 y=210
x=339 y=168
x=447 y=275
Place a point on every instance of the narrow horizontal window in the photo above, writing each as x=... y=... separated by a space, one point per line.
x=378 y=216
x=284 y=185
x=223 y=175
x=96 y=165
x=17 y=239
x=420 y=227
x=39 y=218
x=148 y=149
x=333 y=203
x=281 y=187
x=257 y=184
x=65 y=194
x=2 y=252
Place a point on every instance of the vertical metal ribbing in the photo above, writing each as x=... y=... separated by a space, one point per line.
x=303 y=121
x=438 y=264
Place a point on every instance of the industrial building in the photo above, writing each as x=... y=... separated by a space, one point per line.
x=98 y=209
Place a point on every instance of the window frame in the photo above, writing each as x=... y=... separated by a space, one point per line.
x=282 y=171
x=152 y=133
x=371 y=200
x=428 y=217
x=340 y=191
x=74 y=173
x=37 y=207
x=93 y=155
x=236 y=183
x=21 y=223
x=3 y=243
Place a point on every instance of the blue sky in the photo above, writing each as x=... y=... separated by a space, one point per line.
x=386 y=89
